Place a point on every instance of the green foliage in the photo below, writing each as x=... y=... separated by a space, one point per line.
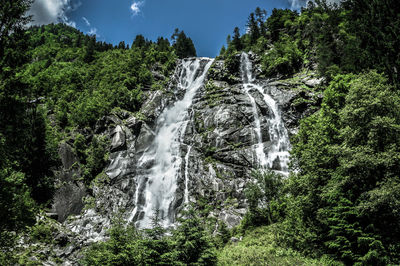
x=183 y=45
x=193 y=244
x=279 y=22
x=232 y=62
x=259 y=247
x=283 y=58
x=96 y=158
x=7 y=244
x=236 y=41
x=42 y=232
x=263 y=198
x=347 y=154
x=12 y=20
x=377 y=38
x=21 y=140
x=129 y=247
x=84 y=82
x=333 y=38
x=188 y=245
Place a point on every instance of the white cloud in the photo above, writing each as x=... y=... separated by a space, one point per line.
x=135 y=7
x=93 y=31
x=53 y=11
x=297 y=4
x=86 y=21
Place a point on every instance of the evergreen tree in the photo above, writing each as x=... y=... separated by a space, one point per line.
x=276 y=22
x=139 y=42
x=122 y=45
x=260 y=15
x=88 y=55
x=236 y=41
x=254 y=31
x=12 y=20
x=183 y=45
x=163 y=44
x=192 y=243
x=348 y=159
x=16 y=204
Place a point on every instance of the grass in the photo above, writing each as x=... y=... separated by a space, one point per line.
x=258 y=247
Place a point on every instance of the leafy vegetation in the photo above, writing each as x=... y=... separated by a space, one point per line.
x=259 y=247
x=55 y=84
x=189 y=244
x=341 y=201
x=333 y=38
x=346 y=154
x=340 y=205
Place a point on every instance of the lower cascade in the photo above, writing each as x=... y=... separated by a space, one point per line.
x=277 y=156
x=160 y=165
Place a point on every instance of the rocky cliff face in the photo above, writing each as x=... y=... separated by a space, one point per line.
x=211 y=145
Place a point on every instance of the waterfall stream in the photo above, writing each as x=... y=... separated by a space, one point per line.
x=277 y=156
x=161 y=163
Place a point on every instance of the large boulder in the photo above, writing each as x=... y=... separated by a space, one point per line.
x=118 y=138
x=68 y=198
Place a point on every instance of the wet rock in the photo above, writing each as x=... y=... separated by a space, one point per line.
x=276 y=165
x=314 y=82
x=52 y=215
x=144 y=139
x=68 y=200
x=235 y=239
x=222 y=139
x=67 y=155
x=118 y=139
x=134 y=124
x=68 y=250
x=61 y=239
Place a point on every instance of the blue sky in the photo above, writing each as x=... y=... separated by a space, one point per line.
x=207 y=22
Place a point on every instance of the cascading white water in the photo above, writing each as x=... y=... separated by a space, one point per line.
x=186 y=195
x=278 y=152
x=156 y=188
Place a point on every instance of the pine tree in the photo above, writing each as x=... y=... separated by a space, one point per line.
x=236 y=42
x=253 y=29
x=260 y=18
x=139 y=42
x=122 y=45
x=88 y=56
x=183 y=45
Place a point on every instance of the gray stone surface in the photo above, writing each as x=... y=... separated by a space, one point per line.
x=67 y=155
x=221 y=136
x=118 y=138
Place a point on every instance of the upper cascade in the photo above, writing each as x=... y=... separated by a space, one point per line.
x=277 y=155
x=161 y=163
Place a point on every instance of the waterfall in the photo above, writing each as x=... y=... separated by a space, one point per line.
x=161 y=163
x=277 y=156
x=187 y=175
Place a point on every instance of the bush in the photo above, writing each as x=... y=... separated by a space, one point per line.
x=96 y=158
x=259 y=247
x=283 y=58
x=263 y=196
x=347 y=157
x=188 y=245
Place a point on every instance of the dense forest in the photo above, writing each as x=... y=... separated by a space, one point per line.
x=341 y=202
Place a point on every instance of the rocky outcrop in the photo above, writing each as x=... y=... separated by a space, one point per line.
x=68 y=199
x=118 y=139
x=217 y=150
